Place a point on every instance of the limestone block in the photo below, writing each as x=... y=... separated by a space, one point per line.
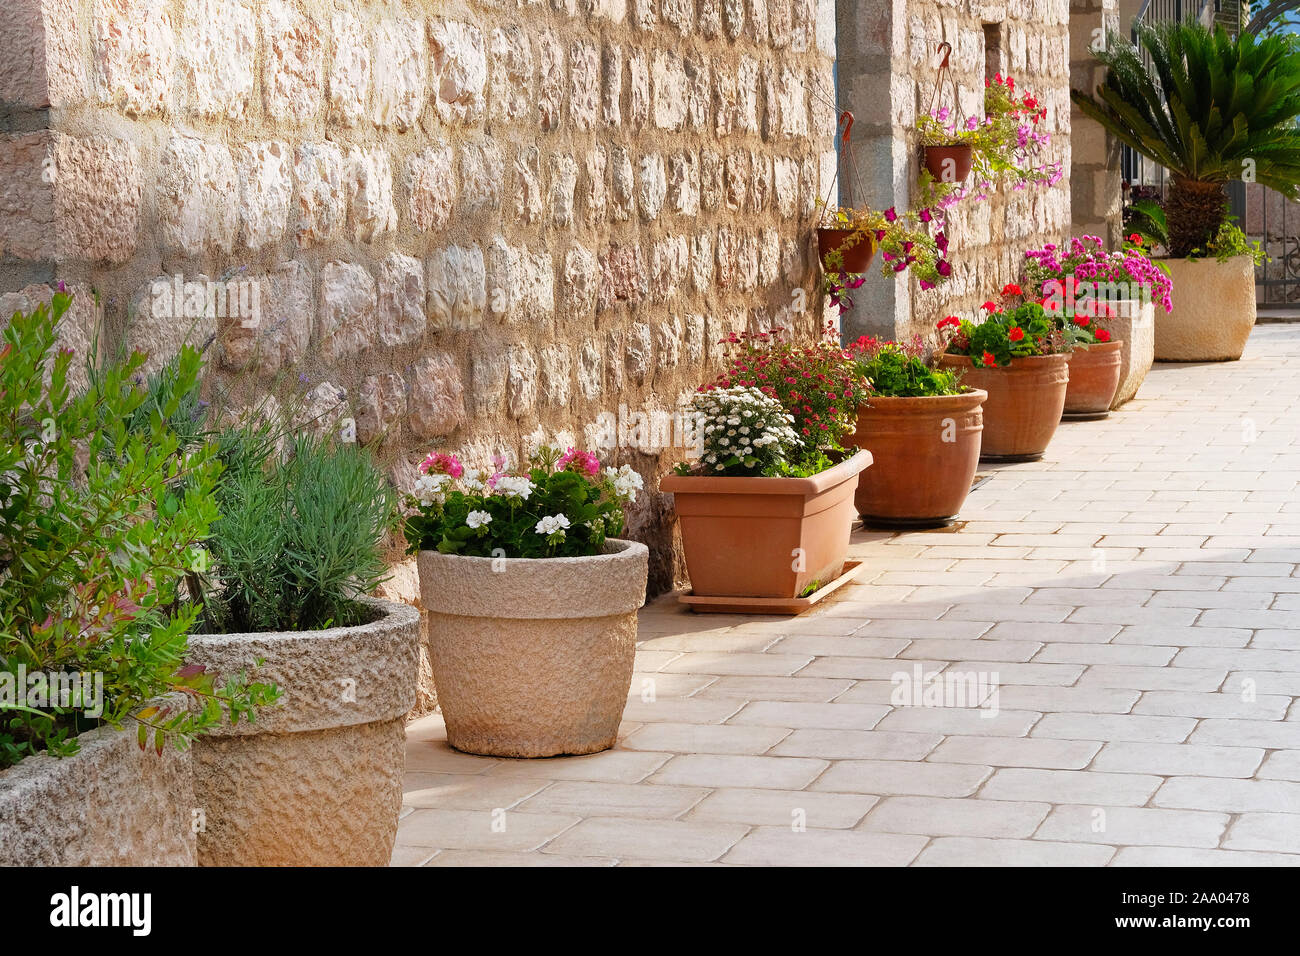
x=624 y=184
x=668 y=345
x=218 y=57
x=281 y=333
x=350 y=69
x=595 y=165
x=521 y=382
x=615 y=362
x=431 y=188
x=97 y=185
x=481 y=173
x=702 y=261
x=170 y=312
x=293 y=58
x=265 y=192
x=79 y=331
x=371 y=212
x=669 y=265
x=623 y=276
x=639 y=352
x=528 y=184
x=135 y=55
x=668 y=89
x=555 y=375
x=785 y=183
x=381 y=407
x=684 y=184
x=709 y=18
x=459 y=69
x=584 y=97
x=521 y=284
x=612 y=90
x=346 y=312
x=581 y=282
x=712 y=181
x=488 y=371
x=652 y=186
x=638 y=84
x=320 y=196
x=437 y=401
x=591 y=376
x=196 y=183
x=401 y=72
x=699 y=93
x=43 y=63
x=457 y=288
x=551 y=77
x=511 y=76
x=733 y=17
x=401 y=299
x=564 y=182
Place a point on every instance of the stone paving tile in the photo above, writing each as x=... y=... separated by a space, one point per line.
x=739 y=664
x=684 y=710
x=1234 y=796
x=821 y=645
x=902 y=777
x=820 y=689
x=1176 y=759
x=724 y=770
x=1281 y=765
x=1071 y=786
x=989 y=650
x=1114 y=727
x=1154 y=678
x=614 y=800
x=1175 y=637
x=612 y=766
x=937 y=816
x=968 y=851
x=501 y=858
x=799 y=715
x=857 y=744
x=960 y=720
x=1278 y=832
x=1142 y=656
x=772 y=846
x=1271 y=735
x=1096 y=700
x=1033 y=752
x=673 y=840
x=481 y=829
x=1132 y=826
x=457 y=791
x=1189 y=857
x=704 y=738
x=775 y=808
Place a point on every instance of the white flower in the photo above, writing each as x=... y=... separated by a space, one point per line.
x=514 y=486
x=476 y=519
x=626 y=481
x=552 y=524
x=471 y=480
x=429 y=489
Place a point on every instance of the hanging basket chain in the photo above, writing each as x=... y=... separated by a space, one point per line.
x=941 y=74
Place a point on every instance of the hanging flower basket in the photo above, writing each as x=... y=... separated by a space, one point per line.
x=856 y=247
x=949 y=164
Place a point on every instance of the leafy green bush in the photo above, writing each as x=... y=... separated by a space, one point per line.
x=1002 y=336
x=895 y=370
x=102 y=514
x=300 y=535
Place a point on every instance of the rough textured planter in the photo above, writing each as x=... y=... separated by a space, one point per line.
x=1024 y=405
x=857 y=257
x=925 y=452
x=741 y=535
x=317 y=780
x=532 y=657
x=1094 y=377
x=112 y=804
x=1214 y=310
x=1135 y=325
x=949 y=164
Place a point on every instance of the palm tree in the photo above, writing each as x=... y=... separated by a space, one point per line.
x=1210 y=109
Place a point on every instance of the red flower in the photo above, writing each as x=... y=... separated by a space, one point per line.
x=1082 y=321
x=1016 y=333
x=1011 y=289
x=1135 y=239
x=950 y=320
x=990 y=306
x=989 y=358
x=1103 y=335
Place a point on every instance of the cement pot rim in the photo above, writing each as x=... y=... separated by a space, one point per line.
x=334 y=677
x=594 y=585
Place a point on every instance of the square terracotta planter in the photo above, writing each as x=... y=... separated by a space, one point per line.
x=766 y=537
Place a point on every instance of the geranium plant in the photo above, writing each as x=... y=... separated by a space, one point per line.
x=903 y=239
x=818 y=383
x=901 y=369
x=745 y=432
x=1027 y=329
x=563 y=505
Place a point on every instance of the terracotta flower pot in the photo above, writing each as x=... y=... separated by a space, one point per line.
x=765 y=537
x=857 y=257
x=316 y=780
x=1214 y=310
x=925 y=451
x=949 y=164
x=1024 y=405
x=532 y=657
x=1094 y=377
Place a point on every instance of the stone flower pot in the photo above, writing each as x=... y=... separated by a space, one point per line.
x=949 y=164
x=317 y=780
x=1024 y=406
x=765 y=537
x=925 y=451
x=532 y=657
x=857 y=257
x=1214 y=310
x=1134 y=324
x=1094 y=377
x=111 y=804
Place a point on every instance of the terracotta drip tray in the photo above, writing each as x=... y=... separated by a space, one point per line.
x=744 y=605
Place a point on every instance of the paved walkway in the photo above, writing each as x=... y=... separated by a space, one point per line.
x=1137 y=595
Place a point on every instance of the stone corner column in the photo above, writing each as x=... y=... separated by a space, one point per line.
x=1095 y=175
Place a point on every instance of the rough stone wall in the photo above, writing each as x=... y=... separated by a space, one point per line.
x=887 y=69
x=462 y=221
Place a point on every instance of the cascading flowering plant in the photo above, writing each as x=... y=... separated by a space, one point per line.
x=1081 y=274
x=904 y=240
x=564 y=505
x=1007 y=145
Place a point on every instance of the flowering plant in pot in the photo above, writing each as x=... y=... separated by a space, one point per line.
x=1082 y=279
x=922 y=426
x=103 y=515
x=532 y=599
x=767 y=510
x=1019 y=358
x=849 y=239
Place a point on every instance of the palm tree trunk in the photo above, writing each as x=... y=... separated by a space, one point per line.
x=1195 y=211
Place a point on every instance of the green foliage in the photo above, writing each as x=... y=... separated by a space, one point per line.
x=102 y=511
x=1024 y=331
x=1146 y=219
x=897 y=371
x=1228 y=243
x=300 y=535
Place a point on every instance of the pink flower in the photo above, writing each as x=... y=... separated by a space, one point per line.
x=579 y=461
x=442 y=463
